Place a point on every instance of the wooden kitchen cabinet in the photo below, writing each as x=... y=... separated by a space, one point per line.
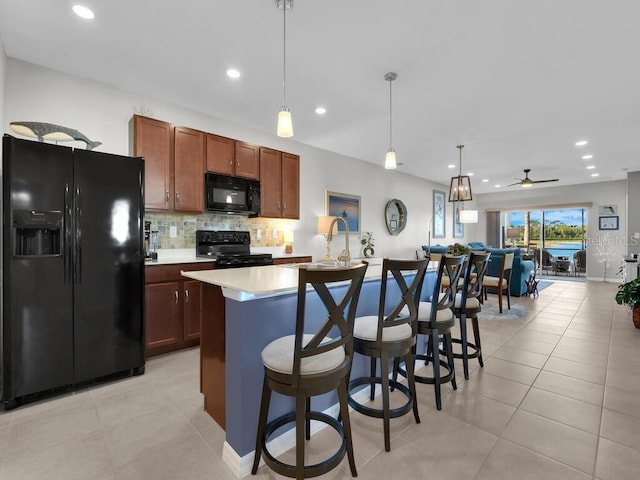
x=231 y=157
x=173 y=307
x=153 y=140
x=220 y=154
x=174 y=165
x=188 y=170
x=279 y=184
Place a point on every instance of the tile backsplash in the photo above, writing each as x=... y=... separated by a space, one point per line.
x=186 y=226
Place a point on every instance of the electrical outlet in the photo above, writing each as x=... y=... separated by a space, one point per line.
x=636 y=235
x=173 y=231
x=275 y=233
x=258 y=234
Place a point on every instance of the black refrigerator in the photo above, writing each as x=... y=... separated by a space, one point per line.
x=72 y=268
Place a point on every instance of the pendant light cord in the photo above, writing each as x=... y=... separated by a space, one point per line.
x=284 y=50
x=390 y=116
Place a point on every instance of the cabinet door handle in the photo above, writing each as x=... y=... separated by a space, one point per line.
x=167 y=201
x=177 y=196
x=176 y=294
x=237 y=163
x=186 y=296
x=284 y=206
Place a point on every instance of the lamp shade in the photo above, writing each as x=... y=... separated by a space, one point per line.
x=468 y=216
x=288 y=236
x=285 y=124
x=513 y=233
x=324 y=223
x=390 y=160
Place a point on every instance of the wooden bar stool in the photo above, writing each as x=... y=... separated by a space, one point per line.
x=435 y=319
x=388 y=336
x=468 y=304
x=305 y=365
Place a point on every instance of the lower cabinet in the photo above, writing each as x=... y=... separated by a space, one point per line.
x=173 y=307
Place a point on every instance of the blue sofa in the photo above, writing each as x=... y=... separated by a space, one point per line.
x=519 y=274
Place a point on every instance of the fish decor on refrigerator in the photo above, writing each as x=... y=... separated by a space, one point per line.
x=49 y=131
x=72 y=266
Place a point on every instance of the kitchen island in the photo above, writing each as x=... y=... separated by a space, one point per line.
x=243 y=310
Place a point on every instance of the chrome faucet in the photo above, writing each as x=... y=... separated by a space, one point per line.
x=345 y=256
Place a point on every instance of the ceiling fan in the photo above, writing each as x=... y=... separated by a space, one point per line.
x=527 y=182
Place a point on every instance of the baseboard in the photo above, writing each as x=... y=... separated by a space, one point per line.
x=241 y=466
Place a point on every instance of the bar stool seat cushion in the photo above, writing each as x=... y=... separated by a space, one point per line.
x=278 y=356
x=471 y=302
x=424 y=313
x=366 y=328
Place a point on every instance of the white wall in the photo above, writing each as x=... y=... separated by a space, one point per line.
x=604 y=247
x=102 y=113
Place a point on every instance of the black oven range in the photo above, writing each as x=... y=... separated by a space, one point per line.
x=230 y=249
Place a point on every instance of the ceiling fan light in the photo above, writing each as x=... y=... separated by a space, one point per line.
x=527 y=184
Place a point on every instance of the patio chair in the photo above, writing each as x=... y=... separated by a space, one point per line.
x=548 y=261
x=580 y=262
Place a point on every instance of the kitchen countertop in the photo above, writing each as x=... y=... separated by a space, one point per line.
x=244 y=284
x=167 y=256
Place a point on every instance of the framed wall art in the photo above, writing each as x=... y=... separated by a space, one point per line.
x=458 y=227
x=345 y=206
x=439 y=214
x=608 y=223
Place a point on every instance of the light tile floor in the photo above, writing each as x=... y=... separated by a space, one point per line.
x=558 y=398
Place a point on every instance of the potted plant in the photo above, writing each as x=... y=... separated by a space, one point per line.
x=457 y=249
x=629 y=294
x=367 y=242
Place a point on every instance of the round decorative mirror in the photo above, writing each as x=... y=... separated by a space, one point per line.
x=395 y=216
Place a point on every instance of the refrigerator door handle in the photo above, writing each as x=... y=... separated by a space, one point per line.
x=78 y=251
x=68 y=259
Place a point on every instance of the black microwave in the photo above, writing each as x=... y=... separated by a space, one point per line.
x=234 y=195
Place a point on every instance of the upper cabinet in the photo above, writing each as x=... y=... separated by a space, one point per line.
x=174 y=165
x=152 y=139
x=279 y=184
x=231 y=157
x=189 y=170
x=176 y=159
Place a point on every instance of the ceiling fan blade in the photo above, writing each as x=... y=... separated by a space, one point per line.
x=545 y=181
x=517 y=183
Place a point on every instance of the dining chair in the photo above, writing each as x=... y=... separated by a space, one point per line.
x=501 y=283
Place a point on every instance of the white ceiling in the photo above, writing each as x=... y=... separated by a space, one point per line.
x=518 y=82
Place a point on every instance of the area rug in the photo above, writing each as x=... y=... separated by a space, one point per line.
x=490 y=311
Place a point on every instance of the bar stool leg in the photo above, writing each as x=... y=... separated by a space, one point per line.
x=384 y=373
x=448 y=345
x=346 y=423
x=409 y=364
x=476 y=339
x=262 y=422
x=373 y=376
x=463 y=344
x=435 y=361
x=301 y=416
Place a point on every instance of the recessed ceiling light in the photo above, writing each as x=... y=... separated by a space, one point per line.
x=595 y=174
x=451 y=166
x=321 y=110
x=591 y=167
x=587 y=157
x=497 y=185
x=233 y=73
x=83 y=12
x=471 y=174
x=581 y=143
x=485 y=180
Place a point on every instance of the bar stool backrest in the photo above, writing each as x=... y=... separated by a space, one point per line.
x=474 y=275
x=452 y=267
x=340 y=313
x=409 y=294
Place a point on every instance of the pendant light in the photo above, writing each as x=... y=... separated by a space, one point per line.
x=460 y=189
x=285 y=123
x=390 y=159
